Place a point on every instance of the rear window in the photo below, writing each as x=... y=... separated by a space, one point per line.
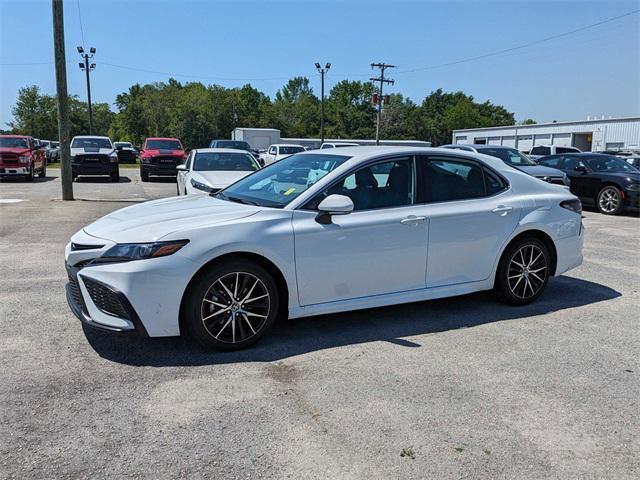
x=231 y=144
x=567 y=150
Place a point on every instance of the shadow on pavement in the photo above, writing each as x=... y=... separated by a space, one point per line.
x=162 y=179
x=295 y=337
x=18 y=179
x=101 y=179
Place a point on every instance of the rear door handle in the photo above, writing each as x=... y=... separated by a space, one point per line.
x=502 y=210
x=413 y=220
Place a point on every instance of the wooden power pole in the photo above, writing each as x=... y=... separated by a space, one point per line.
x=62 y=99
x=382 y=80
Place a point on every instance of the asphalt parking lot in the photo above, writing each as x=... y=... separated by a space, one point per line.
x=455 y=388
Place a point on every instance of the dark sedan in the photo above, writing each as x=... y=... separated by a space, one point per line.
x=604 y=181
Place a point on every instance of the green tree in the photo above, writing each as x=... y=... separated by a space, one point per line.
x=349 y=112
x=296 y=109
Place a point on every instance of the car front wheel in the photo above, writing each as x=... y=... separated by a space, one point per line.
x=609 y=200
x=523 y=271
x=232 y=305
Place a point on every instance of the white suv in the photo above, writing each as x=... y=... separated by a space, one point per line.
x=540 y=151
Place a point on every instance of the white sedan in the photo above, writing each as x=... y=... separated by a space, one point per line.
x=322 y=232
x=208 y=170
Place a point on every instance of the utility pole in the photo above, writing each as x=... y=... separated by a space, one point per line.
x=382 y=80
x=322 y=71
x=62 y=99
x=84 y=65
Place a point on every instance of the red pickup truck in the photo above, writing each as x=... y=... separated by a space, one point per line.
x=21 y=156
x=160 y=156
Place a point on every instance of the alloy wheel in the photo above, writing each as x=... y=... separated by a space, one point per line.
x=235 y=307
x=608 y=200
x=527 y=271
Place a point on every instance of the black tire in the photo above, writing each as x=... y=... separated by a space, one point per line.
x=30 y=176
x=199 y=313
x=43 y=172
x=115 y=176
x=609 y=200
x=144 y=175
x=74 y=177
x=177 y=189
x=519 y=286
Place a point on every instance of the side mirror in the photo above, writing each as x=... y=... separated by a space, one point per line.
x=581 y=169
x=333 y=205
x=181 y=167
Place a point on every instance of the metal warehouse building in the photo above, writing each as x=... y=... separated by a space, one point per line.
x=587 y=135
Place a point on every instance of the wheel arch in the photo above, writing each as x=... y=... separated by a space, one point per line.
x=272 y=268
x=540 y=235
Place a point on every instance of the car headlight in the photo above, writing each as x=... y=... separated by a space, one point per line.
x=24 y=159
x=633 y=187
x=201 y=186
x=566 y=180
x=126 y=252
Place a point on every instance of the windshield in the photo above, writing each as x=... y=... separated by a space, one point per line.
x=163 y=145
x=508 y=155
x=10 y=142
x=213 y=161
x=279 y=183
x=91 y=143
x=231 y=144
x=123 y=144
x=610 y=164
x=290 y=150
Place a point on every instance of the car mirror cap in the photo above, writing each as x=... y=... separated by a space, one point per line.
x=336 y=205
x=182 y=167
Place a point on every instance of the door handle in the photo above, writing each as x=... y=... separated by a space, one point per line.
x=502 y=210
x=413 y=220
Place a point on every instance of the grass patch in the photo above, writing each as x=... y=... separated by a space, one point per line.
x=122 y=165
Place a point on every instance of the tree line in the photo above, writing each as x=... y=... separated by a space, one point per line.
x=197 y=113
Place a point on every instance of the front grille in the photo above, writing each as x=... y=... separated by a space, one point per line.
x=9 y=159
x=105 y=299
x=75 y=293
x=91 y=158
x=165 y=160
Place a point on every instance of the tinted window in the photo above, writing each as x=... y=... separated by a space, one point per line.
x=383 y=185
x=91 y=143
x=493 y=183
x=290 y=150
x=609 y=164
x=326 y=146
x=510 y=156
x=163 y=145
x=571 y=163
x=214 y=161
x=11 y=142
x=550 y=161
x=540 y=151
x=567 y=150
x=238 y=145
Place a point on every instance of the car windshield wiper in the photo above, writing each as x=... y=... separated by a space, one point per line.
x=222 y=196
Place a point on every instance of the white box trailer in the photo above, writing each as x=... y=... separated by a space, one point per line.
x=258 y=138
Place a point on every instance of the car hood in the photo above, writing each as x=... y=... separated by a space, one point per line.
x=541 y=171
x=150 y=221
x=219 y=179
x=15 y=151
x=90 y=150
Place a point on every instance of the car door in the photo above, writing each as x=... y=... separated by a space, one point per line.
x=582 y=178
x=271 y=155
x=183 y=175
x=470 y=214
x=379 y=248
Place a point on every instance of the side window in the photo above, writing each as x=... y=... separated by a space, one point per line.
x=272 y=151
x=382 y=185
x=552 y=162
x=443 y=179
x=571 y=163
x=540 y=151
x=326 y=145
x=492 y=182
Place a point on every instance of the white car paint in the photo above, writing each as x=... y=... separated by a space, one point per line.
x=215 y=179
x=363 y=259
x=326 y=145
x=107 y=150
x=275 y=152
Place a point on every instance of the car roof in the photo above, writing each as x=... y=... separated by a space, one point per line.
x=220 y=150
x=11 y=135
x=161 y=138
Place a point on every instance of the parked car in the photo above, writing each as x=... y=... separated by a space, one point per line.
x=540 y=151
x=279 y=151
x=604 y=181
x=515 y=158
x=52 y=154
x=377 y=226
x=21 y=156
x=94 y=155
x=338 y=145
x=209 y=170
x=160 y=157
x=234 y=144
x=126 y=152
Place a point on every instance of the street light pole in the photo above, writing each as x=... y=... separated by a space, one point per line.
x=87 y=68
x=322 y=72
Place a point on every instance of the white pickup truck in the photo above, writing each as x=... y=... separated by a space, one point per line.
x=279 y=151
x=540 y=151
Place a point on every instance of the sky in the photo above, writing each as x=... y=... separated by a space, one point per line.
x=595 y=71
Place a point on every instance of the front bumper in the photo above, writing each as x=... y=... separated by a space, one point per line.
x=96 y=168
x=10 y=171
x=90 y=308
x=161 y=169
x=631 y=200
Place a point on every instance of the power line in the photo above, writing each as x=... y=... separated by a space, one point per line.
x=80 y=18
x=519 y=47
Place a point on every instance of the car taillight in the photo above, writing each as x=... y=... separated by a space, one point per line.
x=574 y=205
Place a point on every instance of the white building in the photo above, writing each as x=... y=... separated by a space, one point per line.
x=588 y=135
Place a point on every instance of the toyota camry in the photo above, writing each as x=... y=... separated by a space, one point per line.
x=322 y=232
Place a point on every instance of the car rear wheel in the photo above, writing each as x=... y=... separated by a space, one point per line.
x=523 y=271
x=609 y=200
x=30 y=175
x=43 y=172
x=232 y=306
